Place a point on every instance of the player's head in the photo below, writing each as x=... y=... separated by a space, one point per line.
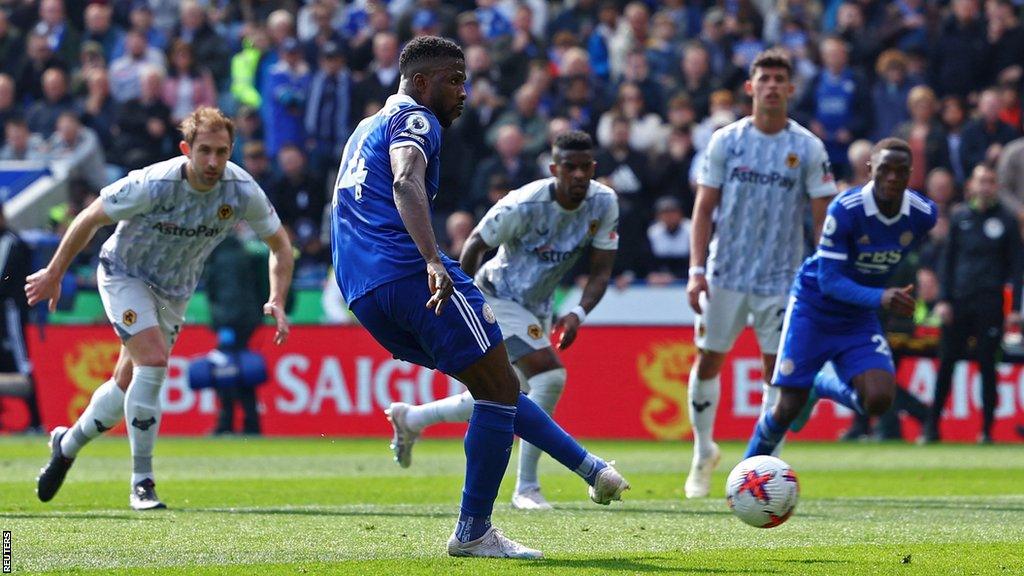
x=572 y=165
x=434 y=73
x=890 y=168
x=983 y=187
x=207 y=138
x=771 y=81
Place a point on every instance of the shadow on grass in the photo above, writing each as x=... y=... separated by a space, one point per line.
x=933 y=504
x=653 y=564
x=81 y=516
x=318 y=512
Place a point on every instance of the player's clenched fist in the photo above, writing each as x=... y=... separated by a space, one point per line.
x=697 y=284
x=43 y=286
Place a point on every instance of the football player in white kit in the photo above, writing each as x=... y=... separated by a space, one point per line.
x=170 y=217
x=758 y=174
x=540 y=231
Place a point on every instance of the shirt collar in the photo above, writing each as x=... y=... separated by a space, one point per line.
x=871 y=208
x=400 y=99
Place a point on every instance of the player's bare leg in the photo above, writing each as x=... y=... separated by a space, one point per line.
x=876 y=390
x=704 y=391
x=149 y=351
x=105 y=410
x=545 y=380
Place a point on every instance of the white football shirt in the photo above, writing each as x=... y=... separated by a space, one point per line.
x=765 y=183
x=539 y=241
x=166 y=229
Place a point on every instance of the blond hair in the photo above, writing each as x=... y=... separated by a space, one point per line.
x=206 y=118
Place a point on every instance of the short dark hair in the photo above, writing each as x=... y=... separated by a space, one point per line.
x=425 y=51
x=772 y=58
x=574 y=140
x=894 y=144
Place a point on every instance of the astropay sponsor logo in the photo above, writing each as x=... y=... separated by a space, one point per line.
x=750 y=176
x=171 y=229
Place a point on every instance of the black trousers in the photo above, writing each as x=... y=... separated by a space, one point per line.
x=244 y=396
x=14 y=354
x=979 y=319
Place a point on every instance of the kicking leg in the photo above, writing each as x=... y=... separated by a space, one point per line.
x=772 y=425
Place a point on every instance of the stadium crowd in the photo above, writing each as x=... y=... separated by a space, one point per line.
x=103 y=84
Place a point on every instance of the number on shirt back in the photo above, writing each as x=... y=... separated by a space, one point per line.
x=355 y=171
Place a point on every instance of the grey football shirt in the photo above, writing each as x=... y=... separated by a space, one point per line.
x=765 y=182
x=539 y=241
x=166 y=229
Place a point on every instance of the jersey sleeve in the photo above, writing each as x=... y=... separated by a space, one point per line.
x=127 y=197
x=414 y=126
x=261 y=215
x=836 y=233
x=607 y=235
x=712 y=168
x=818 y=179
x=833 y=252
x=500 y=224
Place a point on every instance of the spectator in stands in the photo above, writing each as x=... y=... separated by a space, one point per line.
x=579 y=18
x=508 y=161
x=21 y=144
x=925 y=134
x=715 y=39
x=514 y=52
x=985 y=135
x=645 y=126
x=670 y=170
x=79 y=147
x=143 y=133
x=578 y=102
x=8 y=105
x=480 y=65
x=208 y=47
x=599 y=42
x=1010 y=172
x=957 y=64
x=257 y=164
x=39 y=58
x=633 y=33
x=469 y=31
x=697 y=80
x=984 y=254
x=126 y=71
x=322 y=14
x=381 y=78
x=940 y=188
x=328 y=111
x=526 y=115
x=42 y=116
x=99 y=29
x=859 y=154
x=61 y=36
x=299 y=199
x=836 y=105
x=189 y=84
x=638 y=72
x=458 y=227
x=889 y=94
x=662 y=52
x=720 y=113
x=668 y=241
x=556 y=127
x=1010 y=105
x=954 y=116
x=626 y=171
x=14 y=357
x=90 y=58
x=247 y=66
x=1005 y=40
x=361 y=41
x=141 y=20
x=97 y=108
x=11 y=45
x=284 y=100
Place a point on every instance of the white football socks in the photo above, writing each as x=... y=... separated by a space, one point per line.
x=702 y=406
x=545 y=390
x=457 y=408
x=105 y=410
x=142 y=413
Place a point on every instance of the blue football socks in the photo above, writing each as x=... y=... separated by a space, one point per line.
x=831 y=387
x=536 y=427
x=488 y=446
x=767 y=435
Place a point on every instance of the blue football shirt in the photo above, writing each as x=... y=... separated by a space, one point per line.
x=369 y=242
x=864 y=247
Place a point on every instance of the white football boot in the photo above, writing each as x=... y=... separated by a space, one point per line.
x=530 y=498
x=698 y=483
x=493 y=544
x=404 y=437
x=609 y=485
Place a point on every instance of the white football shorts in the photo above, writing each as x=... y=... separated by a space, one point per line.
x=726 y=313
x=132 y=307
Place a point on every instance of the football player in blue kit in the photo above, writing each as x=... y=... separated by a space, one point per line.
x=420 y=305
x=831 y=314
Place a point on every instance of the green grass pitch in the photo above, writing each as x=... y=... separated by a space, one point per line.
x=323 y=506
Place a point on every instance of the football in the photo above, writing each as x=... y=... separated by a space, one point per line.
x=762 y=491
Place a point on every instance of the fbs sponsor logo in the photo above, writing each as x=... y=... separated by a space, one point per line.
x=747 y=175
x=171 y=229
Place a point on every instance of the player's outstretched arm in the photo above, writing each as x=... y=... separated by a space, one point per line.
x=473 y=253
x=700 y=238
x=410 y=192
x=45 y=284
x=601 y=264
x=282 y=263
